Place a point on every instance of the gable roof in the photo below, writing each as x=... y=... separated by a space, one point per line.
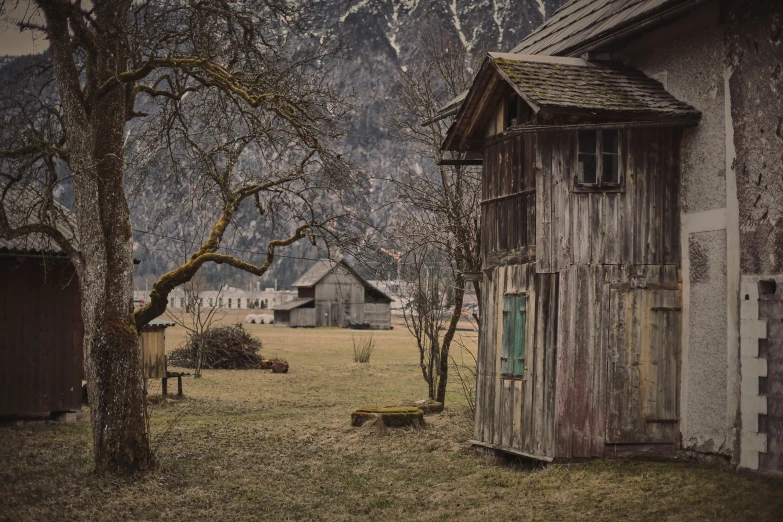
x=557 y=84
x=322 y=267
x=580 y=24
x=294 y=303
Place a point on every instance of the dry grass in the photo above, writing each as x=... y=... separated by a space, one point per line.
x=252 y=445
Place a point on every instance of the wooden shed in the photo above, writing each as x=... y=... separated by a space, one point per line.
x=41 y=331
x=332 y=293
x=152 y=342
x=579 y=349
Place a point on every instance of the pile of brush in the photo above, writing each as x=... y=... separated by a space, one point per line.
x=225 y=348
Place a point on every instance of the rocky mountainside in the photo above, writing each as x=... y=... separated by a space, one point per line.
x=383 y=37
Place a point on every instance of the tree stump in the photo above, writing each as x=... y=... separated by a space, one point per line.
x=276 y=365
x=428 y=406
x=393 y=417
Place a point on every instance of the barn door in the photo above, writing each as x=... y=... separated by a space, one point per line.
x=512 y=368
x=644 y=366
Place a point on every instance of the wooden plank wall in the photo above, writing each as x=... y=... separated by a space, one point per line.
x=508 y=225
x=518 y=413
x=639 y=225
x=152 y=342
x=582 y=348
x=342 y=288
x=378 y=315
x=41 y=332
x=302 y=317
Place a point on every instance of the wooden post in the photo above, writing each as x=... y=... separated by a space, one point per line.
x=179 y=386
x=165 y=385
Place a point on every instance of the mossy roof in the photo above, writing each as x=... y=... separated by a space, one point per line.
x=572 y=83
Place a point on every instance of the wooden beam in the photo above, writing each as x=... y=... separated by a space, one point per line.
x=461 y=162
x=511 y=450
x=482 y=104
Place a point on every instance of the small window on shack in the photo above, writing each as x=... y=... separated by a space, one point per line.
x=598 y=159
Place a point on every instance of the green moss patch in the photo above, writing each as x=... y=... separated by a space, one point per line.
x=391 y=416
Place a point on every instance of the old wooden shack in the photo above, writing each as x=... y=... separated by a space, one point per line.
x=332 y=293
x=612 y=259
x=41 y=331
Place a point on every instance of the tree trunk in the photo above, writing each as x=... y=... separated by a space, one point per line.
x=459 y=295
x=115 y=382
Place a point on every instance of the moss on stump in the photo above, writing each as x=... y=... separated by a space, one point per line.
x=428 y=406
x=393 y=417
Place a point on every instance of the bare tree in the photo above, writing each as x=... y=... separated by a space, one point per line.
x=197 y=316
x=440 y=202
x=230 y=101
x=424 y=298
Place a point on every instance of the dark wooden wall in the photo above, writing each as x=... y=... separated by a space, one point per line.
x=508 y=208
x=41 y=331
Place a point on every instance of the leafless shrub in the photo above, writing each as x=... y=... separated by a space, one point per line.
x=363 y=348
x=465 y=369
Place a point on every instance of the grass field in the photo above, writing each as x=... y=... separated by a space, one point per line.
x=251 y=445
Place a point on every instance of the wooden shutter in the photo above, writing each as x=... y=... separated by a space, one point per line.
x=519 y=342
x=513 y=352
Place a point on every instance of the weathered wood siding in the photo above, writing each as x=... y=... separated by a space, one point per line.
x=378 y=315
x=583 y=357
x=339 y=299
x=41 y=332
x=637 y=225
x=152 y=342
x=282 y=317
x=568 y=251
x=508 y=208
x=518 y=413
x=302 y=317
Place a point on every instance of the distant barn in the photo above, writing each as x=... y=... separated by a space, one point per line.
x=41 y=330
x=332 y=293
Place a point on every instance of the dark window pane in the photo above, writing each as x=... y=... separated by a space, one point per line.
x=586 y=172
x=587 y=141
x=511 y=111
x=611 y=173
x=611 y=141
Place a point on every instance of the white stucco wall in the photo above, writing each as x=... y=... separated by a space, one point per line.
x=688 y=58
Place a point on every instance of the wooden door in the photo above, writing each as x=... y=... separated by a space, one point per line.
x=644 y=366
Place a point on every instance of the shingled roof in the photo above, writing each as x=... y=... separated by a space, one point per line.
x=23 y=207
x=573 y=83
x=582 y=23
x=567 y=85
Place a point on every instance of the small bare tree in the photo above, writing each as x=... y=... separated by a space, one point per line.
x=424 y=297
x=440 y=203
x=197 y=316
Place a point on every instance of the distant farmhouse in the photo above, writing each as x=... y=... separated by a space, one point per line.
x=632 y=232
x=228 y=298
x=41 y=330
x=332 y=293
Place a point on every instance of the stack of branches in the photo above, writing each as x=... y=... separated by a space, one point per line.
x=226 y=348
